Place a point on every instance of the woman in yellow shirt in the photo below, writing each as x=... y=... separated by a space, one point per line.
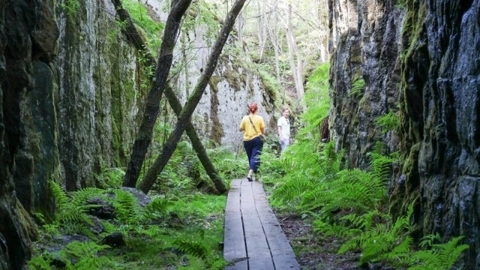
x=252 y=126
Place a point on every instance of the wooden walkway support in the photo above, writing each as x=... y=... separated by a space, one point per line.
x=253 y=237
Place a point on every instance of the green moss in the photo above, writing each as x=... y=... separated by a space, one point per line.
x=411 y=160
x=358 y=87
x=271 y=85
x=213 y=83
x=388 y=122
x=71 y=6
x=216 y=131
x=412 y=26
x=148 y=26
x=364 y=105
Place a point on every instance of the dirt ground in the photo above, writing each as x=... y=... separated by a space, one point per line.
x=315 y=252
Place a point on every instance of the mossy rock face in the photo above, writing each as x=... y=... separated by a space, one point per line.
x=440 y=114
x=364 y=73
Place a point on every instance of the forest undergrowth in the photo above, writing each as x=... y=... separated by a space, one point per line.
x=334 y=217
x=179 y=225
x=338 y=217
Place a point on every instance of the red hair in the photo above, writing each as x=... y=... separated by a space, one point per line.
x=253 y=107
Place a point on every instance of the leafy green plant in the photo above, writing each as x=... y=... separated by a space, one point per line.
x=307 y=176
x=76 y=255
x=71 y=6
x=437 y=256
x=150 y=28
x=127 y=209
x=229 y=165
x=111 y=177
x=379 y=241
x=388 y=122
x=84 y=255
x=317 y=100
x=41 y=262
x=182 y=229
x=358 y=87
x=72 y=211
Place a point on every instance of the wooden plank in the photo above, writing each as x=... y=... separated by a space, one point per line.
x=234 y=249
x=258 y=251
x=264 y=263
x=241 y=265
x=253 y=237
x=281 y=251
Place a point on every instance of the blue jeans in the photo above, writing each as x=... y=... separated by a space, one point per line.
x=253 y=149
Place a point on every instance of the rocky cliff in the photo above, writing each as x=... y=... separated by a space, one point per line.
x=419 y=59
x=71 y=90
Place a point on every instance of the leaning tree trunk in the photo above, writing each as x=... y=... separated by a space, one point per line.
x=137 y=40
x=183 y=118
x=196 y=143
x=152 y=106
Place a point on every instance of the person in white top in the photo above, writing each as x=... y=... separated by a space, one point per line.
x=283 y=125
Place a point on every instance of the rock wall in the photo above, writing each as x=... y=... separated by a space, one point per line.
x=441 y=101
x=71 y=90
x=420 y=57
x=365 y=72
x=99 y=93
x=27 y=41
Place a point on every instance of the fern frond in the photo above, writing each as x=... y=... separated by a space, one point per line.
x=81 y=196
x=450 y=251
x=382 y=165
x=59 y=194
x=41 y=262
x=192 y=247
x=85 y=255
x=157 y=208
x=400 y=253
x=126 y=206
x=429 y=240
x=291 y=191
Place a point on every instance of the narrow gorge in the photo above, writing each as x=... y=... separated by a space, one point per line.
x=73 y=84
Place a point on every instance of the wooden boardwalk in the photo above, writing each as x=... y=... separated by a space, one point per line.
x=253 y=237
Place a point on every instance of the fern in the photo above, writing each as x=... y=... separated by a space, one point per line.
x=378 y=240
x=317 y=99
x=292 y=192
x=126 y=207
x=388 y=122
x=358 y=86
x=382 y=165
x=84 y=255
x=192 y=247
x=70 y=214
x=429 y=240
x=156 y=209
x=41 y=262
x=60 y=196
x=441 y=256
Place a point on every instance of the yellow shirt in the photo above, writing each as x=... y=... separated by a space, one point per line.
x=248 y=130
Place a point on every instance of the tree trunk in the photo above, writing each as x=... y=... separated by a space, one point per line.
x=262 y=32
x=139 y=43
x=186 y=113
x=196 y=143
x=152 y=106
x=297 y=69
x=274 y=37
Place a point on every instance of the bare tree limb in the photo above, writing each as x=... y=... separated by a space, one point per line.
x=137 y=40
x=152 y=106
x=184 y=117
